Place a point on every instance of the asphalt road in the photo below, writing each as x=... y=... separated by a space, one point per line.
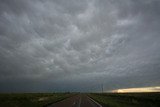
x=77 y=101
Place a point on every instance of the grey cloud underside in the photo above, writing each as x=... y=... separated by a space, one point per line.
x=77 y=45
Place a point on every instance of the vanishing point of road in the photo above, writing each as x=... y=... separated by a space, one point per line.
x=80 y=100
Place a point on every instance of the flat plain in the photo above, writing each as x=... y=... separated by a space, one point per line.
x=31 y=99
x=80 y=99
x=127 y=99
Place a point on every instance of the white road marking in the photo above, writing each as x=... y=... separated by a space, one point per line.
x=95 y=102
x=79 y=104
x=74 y=103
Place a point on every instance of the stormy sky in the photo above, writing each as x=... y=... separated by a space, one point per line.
x=77 y=45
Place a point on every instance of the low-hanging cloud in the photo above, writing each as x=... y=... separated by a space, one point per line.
x=77 y=45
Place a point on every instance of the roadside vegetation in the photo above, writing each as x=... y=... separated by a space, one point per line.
x=127 y=99
x=31 y=99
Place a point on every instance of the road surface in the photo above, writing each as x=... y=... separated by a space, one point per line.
x=77 y=101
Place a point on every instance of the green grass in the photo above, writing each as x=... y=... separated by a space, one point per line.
x=128 y=99
x=106 y=99
x=31 y=99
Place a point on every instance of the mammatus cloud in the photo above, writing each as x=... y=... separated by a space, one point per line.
x=77 y=45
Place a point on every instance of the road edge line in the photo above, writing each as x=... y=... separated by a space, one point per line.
x=95 y=102
x=79 y=104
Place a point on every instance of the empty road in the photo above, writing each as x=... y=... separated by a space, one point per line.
x=77 y=101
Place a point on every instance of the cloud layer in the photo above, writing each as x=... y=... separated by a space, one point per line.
x=77 y=45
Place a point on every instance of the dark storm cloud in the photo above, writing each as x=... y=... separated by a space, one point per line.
x=77 y=45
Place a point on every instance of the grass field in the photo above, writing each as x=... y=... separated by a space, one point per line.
x=128 y=99
x=106 y=99
x=31 y=99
